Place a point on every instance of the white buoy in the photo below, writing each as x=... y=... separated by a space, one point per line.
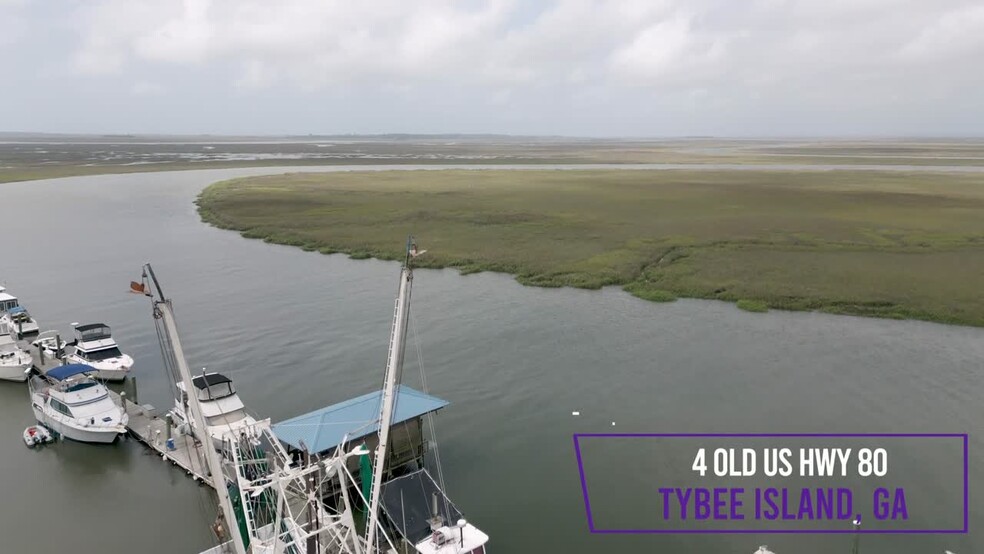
x=575 y=413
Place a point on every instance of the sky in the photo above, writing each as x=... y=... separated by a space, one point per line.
x=635 y=68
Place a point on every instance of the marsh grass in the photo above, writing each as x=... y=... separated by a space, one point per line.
x=752 y=305
x=882 y=244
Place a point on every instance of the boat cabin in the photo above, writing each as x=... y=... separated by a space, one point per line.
x=318 y=433
x=219 y=401
x=72 y=387
x=18 y=314
x=93 y=332
x=208 y=387
x=7 y=300
x=94 y=343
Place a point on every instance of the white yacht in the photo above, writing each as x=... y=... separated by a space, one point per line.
x=223 y=410
x=94 y=346
x=20 y=322
x=70 y=402
x=7 y=300
x=15 y=362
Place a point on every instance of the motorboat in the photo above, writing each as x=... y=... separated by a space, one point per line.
x=19 y=322
x=7 y=300
x=70 y=402
x=50 y=344
x=94 y=346
x=221 y=406
x=15 y=362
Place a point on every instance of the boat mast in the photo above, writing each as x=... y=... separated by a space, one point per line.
x=394 y=367
x=162 y=311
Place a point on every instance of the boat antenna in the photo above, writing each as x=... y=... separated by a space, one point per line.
x=162 y=311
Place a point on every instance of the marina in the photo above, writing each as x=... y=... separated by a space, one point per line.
x=263 y=489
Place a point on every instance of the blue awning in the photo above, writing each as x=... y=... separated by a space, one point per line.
x=63 y=372
x=324 y=429
x=16 y=310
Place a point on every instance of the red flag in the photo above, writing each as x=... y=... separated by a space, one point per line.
x=137 y=287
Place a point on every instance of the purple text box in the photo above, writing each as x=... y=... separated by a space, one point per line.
x=966 y=482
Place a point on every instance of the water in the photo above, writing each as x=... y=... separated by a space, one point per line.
x=300 y=330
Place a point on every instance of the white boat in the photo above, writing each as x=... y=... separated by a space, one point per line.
x=15 y=362
x=94 y=346
x=36 y=434
x=70 y=402
x=221 y=406
x=19 y=322
x=7 y=300
x=51 y=345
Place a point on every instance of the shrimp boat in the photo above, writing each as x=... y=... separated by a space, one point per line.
x=94 y=346
x=272 y=503
x=406 y=501
x=15 y=362
x=268 y=503
x=70 y=402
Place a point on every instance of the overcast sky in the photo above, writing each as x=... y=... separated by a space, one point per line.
x=577 y=67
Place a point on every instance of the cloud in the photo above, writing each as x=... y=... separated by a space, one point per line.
x=954 y=33
x=324 y=43
x=807 y=55
x=146 y=88
x=13 y=23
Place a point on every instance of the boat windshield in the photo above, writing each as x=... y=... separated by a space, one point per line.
x=216 y=391
x=81 y=386
x=100 y=355
x=226 y=418
x=93 y=332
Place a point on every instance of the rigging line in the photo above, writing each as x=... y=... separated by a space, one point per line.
x=170 y=363
x=430 y=415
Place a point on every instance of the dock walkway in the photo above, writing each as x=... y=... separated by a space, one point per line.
x=154 y=431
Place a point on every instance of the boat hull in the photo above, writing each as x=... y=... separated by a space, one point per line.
x=16 y=372
x=95 y=435
x=115 y=370
x=115 y=375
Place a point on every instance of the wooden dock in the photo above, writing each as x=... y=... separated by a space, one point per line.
x=43 y=363
x=154 y=431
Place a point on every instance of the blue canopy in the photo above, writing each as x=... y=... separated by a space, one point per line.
x=323 y=429
x=63 y=372
x=16 y=310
